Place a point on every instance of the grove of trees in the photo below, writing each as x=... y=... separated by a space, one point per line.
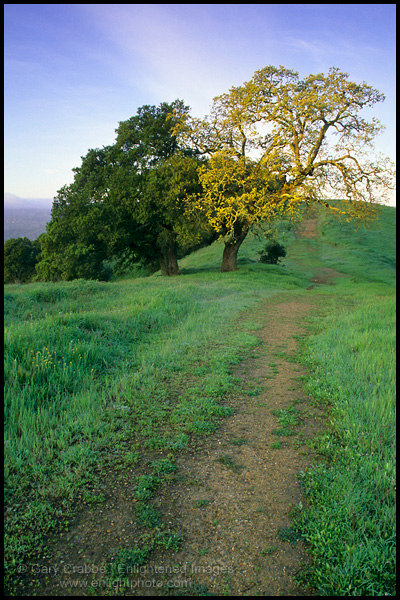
x=171 y=181
x=127 y=202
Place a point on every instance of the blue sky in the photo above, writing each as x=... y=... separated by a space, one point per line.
x=74 y=71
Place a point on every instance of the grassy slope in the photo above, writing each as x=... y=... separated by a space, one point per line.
x=91 y=365
x=351 y=524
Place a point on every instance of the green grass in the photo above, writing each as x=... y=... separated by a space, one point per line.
x=100 y=374
x=368 y=254
x=351 y=359
x=288 y=418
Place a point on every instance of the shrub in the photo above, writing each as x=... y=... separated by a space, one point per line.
x=272 y=253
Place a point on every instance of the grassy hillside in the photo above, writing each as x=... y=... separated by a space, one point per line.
x=98 y=375
x=89 y=366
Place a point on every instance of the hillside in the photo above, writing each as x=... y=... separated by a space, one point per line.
x=221 y=424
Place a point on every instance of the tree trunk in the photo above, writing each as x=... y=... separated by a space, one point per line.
x=164 y=264
x=173 y=268
x=229 y=256
x=169 y=261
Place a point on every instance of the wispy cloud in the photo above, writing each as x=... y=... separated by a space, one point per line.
x=316 y=49
x=168 y=53
x=333 y=52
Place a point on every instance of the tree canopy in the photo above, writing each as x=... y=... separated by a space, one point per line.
x=268 y=147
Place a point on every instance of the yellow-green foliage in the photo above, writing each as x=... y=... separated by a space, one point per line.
x=239 y=191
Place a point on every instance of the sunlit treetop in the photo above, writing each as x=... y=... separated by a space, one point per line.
x=308 y=134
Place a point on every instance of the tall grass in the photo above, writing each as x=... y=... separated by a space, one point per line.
x=351 y=522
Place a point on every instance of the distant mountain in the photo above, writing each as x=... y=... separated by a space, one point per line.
x=25 y=217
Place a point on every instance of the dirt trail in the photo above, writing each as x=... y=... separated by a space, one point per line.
x=238 y=493
x=322 y=275
x=307 y=229
x=232 y=498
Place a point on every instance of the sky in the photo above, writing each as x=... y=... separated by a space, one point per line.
x=74 y=71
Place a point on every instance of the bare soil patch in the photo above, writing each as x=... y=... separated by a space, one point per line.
x=325 y=276
x=307 y=229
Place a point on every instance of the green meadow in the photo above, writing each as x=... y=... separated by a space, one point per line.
x=99 y=375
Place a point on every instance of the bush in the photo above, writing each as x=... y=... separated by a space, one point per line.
x=272 y=253
x=20 y=258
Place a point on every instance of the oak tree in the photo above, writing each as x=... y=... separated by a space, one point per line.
x=278 y=142
x=163 y=204
x=168 y=173
x=80 y=232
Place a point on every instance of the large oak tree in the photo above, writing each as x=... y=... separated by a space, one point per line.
x=278 y=142
x=168 y=174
